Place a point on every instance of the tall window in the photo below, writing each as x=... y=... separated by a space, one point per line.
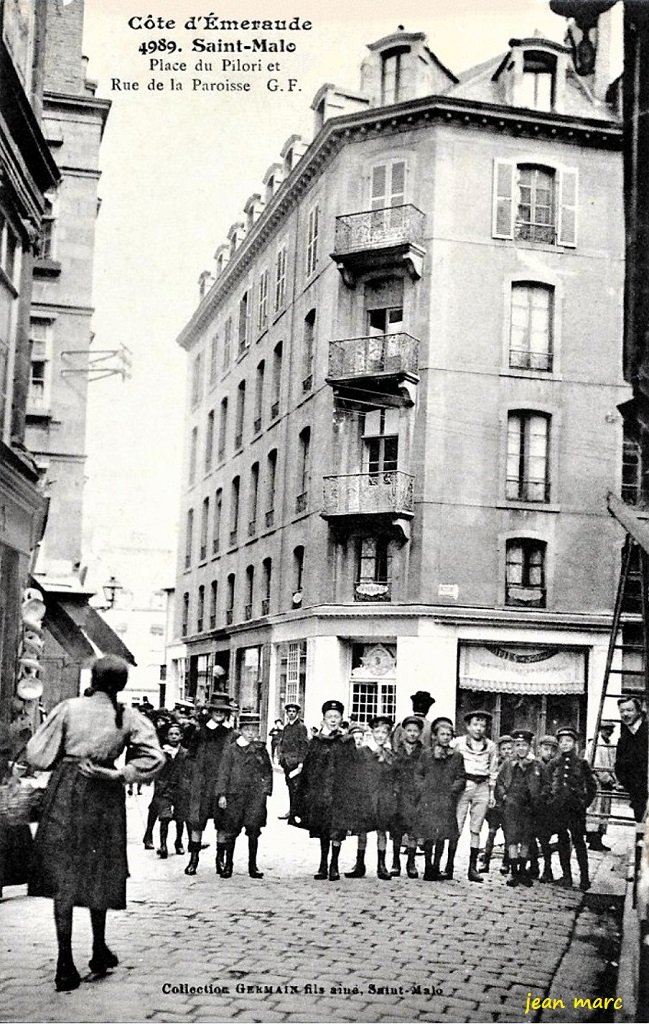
x=197 y=379
x=259 y=396
x=276 y=381
x=298 y=574
x=381 y=443
x=267 y=577
x=535 y=203
x=223 y=429
x=262 y=306
x=193 y=453
x=528 y=478
x=309 y=338
x=530 y=342
x=252 y=499
x=374 y=573
x=304 y=470
x=391 y=70
x=312 y=240
x=200 y=611
x=525 y=573
x=230 y=594
x=40 y=336
x=218 y=515
x=538 y=84
x=209 y=440
x=205 y=517
x=184 y=625
x=271 y=483
x=214 y=355
x=227 y=343
x=214 y=592
x=250 y=591
x=244 y=314
x=234 y=509
x=241 y=409
x=280 y=278
x=189 y=538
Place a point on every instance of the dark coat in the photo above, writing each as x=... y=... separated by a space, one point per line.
x=205 y=751
x=407 y=792
x=518 y=790
x=569 y=788
x=171 y=788
x=332 y=798
x=440 y=780
x=631 y=766
x=245 y=779
x=293 y=745
x=381 y=774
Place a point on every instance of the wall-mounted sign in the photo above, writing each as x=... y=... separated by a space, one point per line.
x=448 y=590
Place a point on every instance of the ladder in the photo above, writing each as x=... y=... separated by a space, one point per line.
x=627 y=661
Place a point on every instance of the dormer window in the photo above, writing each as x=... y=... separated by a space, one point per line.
x=538 y=82
x=391 y=69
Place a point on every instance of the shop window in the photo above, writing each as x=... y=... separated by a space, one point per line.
x=249 y=679
x=292 y=674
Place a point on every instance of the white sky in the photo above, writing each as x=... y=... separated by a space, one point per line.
x=177 y=169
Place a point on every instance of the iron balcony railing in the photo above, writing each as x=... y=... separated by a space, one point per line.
x=527 y=231
x=523 y=359
x=383 y=353
x=391 y=225
x=367 y=493
x=522 y=489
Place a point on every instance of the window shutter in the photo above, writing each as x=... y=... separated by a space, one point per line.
x=567 y=227
x=503 y=200
x=398 y=184
x=379 y=181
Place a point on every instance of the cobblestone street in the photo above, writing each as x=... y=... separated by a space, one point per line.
x=358 y=950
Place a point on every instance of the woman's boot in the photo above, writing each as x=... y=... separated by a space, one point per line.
x=395 y=870
x=381 y=870
x=334 y=874
x=358 y=871
x=411 y=869
x=228 y=864
x=253 y=870
x=322 y=872
x=194 y=850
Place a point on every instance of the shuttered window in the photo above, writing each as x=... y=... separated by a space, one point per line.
x=534 y=203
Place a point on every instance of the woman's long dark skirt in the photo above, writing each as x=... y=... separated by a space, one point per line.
x=80 y=845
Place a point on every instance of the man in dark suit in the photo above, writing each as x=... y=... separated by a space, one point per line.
x=631 y=756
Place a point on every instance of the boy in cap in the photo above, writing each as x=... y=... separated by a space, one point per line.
x=381 y=778
x=244 y=783
x=518 y=788
x=408 y=755
x=440 y=780
x=331 y=797
x=494 y=816
x=481 y=767
x=422 y=702
x=357 y=733
x=571 y=788
x=545 y=827
x=291 y=751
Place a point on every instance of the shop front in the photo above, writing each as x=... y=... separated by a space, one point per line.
x=540 y=688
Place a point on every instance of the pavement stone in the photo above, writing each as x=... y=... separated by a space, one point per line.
x=485 y=947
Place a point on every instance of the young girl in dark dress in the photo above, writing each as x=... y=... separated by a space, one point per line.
x=408 y=754
x=80 y=846
x=440 y=779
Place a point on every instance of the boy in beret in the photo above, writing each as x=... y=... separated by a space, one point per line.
x=571 y=788
x=331 y=797
x=518 y=788
x=440 y=778
x=408 y=754
x=494 y=817
x=245 y=781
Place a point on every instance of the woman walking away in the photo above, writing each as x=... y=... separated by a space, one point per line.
x=80 y=846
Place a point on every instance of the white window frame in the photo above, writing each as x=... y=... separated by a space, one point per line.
x=42 y=406
x=280 y=276
x=566 y=199
x=262 y=301
x=312 y=237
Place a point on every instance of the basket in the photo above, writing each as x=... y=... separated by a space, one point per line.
x=17 y=799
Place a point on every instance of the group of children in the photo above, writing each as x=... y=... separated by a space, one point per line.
x=361 y=779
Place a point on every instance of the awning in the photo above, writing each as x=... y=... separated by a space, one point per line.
x=549 y=671
x=77 y=627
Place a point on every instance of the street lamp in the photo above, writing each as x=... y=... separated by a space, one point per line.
x=584 y=15
x=110 y=590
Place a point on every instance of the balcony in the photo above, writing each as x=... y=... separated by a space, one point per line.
x=389 y=496
x=387 y=362
x=372 y=590
x=379 y=239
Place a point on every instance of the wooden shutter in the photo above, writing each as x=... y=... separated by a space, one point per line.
x=398 y=183
x=378 y=190
x=503 y=199
x=567 y=225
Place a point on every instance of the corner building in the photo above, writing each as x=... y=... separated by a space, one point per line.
x=401 y=402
